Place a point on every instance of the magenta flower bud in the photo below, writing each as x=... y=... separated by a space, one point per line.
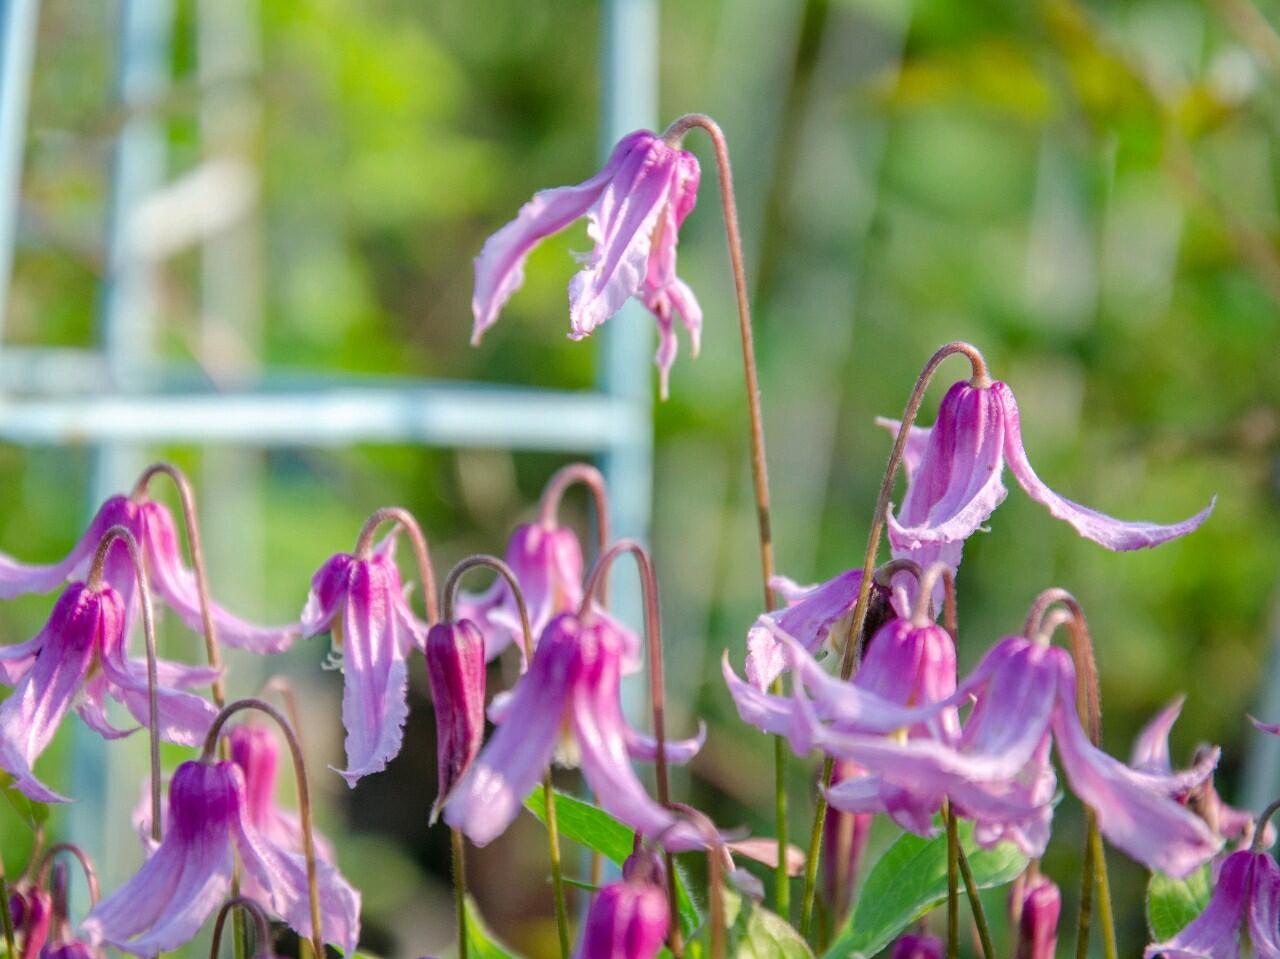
x=628 y=920
x=38 y=917
x=914 y=946
x=455 y=666
x=1038 y=927
x=645 y=865
x=844 y=839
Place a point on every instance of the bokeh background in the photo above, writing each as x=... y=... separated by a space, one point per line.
x=1087 y=191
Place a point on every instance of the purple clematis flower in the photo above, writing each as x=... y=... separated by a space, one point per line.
x=547 y=562
x=360 y=601
x=152 y=526
x=189 y=873
x=1246 y=898
x=572 y=687
x=635 y=207
x=918 y=946
x=455 y=667
x=80 y=655
x=628 y=919
x=998 y=773
x=954 y=481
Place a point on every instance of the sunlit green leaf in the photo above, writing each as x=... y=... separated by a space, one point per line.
x=1172 y=903
x=480 y=942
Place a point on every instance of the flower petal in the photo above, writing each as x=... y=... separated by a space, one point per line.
x=1264 y=909
x=917 y=443
x=644 y=747
x=92 y=710
x=1112 y=533
x=184 y=718
x=1215 y=933
x=1151 y=747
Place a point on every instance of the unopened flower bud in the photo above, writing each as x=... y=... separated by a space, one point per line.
x=844 y=838
x=455 y=666
x=628 y=920
x=1038 y=927
x=918 y=947
x=645 y=865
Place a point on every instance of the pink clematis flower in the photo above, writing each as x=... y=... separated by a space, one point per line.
x=455 y=668
x=188 y=875
x=572 y=687
x=629 y=918
x=547 y=562
x=1246 y=897
x=80 y=655
x=152 y=526
x=954 y=482
x=635 y=207
x=998 y=772
x=360 y=601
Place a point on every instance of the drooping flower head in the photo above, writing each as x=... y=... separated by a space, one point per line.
x=629 y=919
x=455 y=667
x=572 y=689
x=954 y=481
x=152 y=527
x=1038 y=919
x=1245 y=906
x=79 y=658
x=359 y=600
x=188 y=874
x=634 y=207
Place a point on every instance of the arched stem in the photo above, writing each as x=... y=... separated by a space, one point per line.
x=426 y=572
x=304 y=796
x=260 y=923
x=94 y=582
x=484 y=561
x=1039 y=625
x=86 y=865
x=920 y=617
x=853 y=646
x=281 y=686
x=194 y=546
x=1260 y=829
x=563 y=479
x=657 y=688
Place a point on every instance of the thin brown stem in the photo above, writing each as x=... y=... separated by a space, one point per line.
x=260 y=924
x=484 y=561
x=426 y=572
x=304 y=796
x=187 y=497
x=86 y=865
x=852 y=648
x=953 y=883
x=289 y=697
x=975 y=905
x=149 y=636
x=759 y=463
x=563 y=479
x=459 y=854
x=920 y=615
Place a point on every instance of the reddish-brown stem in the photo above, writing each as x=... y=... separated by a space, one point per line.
x=924 y=599
x=853 y=645
x=304 y=796
x=426 y=572
x=194 y=546
x=657 y=688
x=563 y=479
x=885 y=572
x=718 y=858
x=86 y=865
x=94 y=582
x=481 y=560
x=263 y=928
x=289 y=697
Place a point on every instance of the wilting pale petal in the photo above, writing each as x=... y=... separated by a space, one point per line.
x=1112 y=533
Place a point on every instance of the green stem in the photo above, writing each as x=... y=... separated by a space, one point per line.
x=953 y=884
x=557 y=877
x=1085 y=915
x=975 y=905
x=815 y=849
x=1105 y=917
x=460 y=889
x=782 y=880
x=6 y=917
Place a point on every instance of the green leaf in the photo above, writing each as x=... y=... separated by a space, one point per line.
x=1173 y=903
x=908 y=881
x=34 y=813
x=596 y=829
x=480 y=941
x=766 y=935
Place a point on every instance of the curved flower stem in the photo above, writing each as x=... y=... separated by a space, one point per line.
x=194 y=546
x=263 y=928
x=450 y=593
x=459 y=854
x=397 y=514
x=1260 y=827
x=559 y=484
x=86 y=864
x=304 y=796
x=149 y=634
x=1089 y=704
x=673 y=135
x=657 y=691
x=853 y=646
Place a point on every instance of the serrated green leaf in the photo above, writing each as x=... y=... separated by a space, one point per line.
x=596 y=829
x=480 y=942
x=1173 y=903
x=766 y=935
x=908 y=881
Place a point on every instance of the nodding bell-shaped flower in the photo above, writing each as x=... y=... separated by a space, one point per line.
x=152 y=526
x=572 y=689
x=455 y=667
x=954 y=481
x=998 y=774
x=1038 y=921
x=79 y=658
x=634 y=207
x=360 y=601
x=918 y=946
x=188 y=875
x=1245 y=905
x=628 y=920
x=547 y=562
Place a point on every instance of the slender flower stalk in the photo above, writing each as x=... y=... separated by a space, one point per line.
x=1089 y=705
x=560 y=483
x=405 y=520
x=450 y=592
x=953 y=883
x=194 y=546
x=86 y=866
x=852 y=647
x=260 y=924
x=304 y=797
x=94 y=582
x=674 y=134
